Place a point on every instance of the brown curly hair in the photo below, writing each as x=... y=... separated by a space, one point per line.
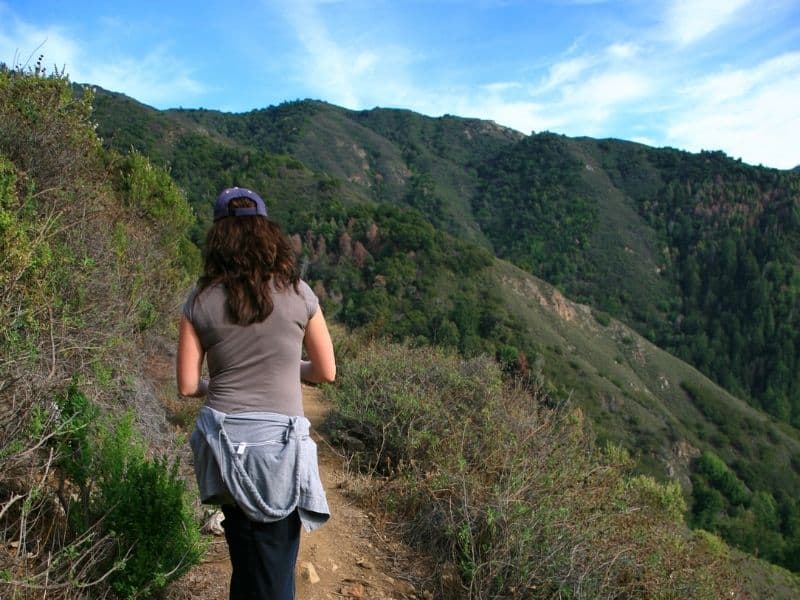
x=244 y=254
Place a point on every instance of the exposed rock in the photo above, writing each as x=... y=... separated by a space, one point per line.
x=308 y=572
x=678 y=462
x=365 y=564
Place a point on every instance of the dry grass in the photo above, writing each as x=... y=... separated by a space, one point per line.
x=509 y=492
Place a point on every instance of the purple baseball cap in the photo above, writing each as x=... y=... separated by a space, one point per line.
x=223 y=209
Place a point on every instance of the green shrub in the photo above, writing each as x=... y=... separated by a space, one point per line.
x=602 y=317
x=150 y=189
x=717 y=473
x=141 y=503
x=667 y=499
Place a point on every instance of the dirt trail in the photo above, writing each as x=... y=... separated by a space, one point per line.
x=350 y=555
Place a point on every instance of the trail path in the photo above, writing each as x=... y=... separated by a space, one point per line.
x=351 y=555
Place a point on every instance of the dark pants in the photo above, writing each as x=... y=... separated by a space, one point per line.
x=263 y=555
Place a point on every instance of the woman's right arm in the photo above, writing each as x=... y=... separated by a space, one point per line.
x=189 y=362
x=321 y=364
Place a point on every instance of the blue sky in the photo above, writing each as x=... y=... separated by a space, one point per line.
x=691 y=74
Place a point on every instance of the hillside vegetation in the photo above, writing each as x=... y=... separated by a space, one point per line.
x=93 y=251
x=400 y=219
x=508 y=492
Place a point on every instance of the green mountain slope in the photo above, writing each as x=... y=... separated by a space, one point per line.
x=698 y=252
x=395 y=215
x=638 y=394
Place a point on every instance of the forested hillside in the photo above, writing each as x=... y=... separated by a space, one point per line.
x=400 y=219
x=699 y=253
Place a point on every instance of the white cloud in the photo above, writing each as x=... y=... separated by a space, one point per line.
x=364 y=62
x=622 y=51
x=21 y=44
x=752 y=114
x=643 y=139
x=522 y=116
x=326 y=66
x=609 y=88
x=583 y=93
x=649 y=83
x=157 y=78
x=732 y=84
x=500 y=87
x=566 y=71
x=688 y=21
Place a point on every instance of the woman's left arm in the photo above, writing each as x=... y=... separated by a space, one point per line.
x=189 y=363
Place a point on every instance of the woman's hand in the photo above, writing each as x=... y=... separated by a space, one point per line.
x=189 y=363
x=321 y=366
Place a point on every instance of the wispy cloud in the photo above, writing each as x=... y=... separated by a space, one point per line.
x=325 y=65
x=688 y=73
x=751 y=113
x=688 y=21
x=523 y=115
x=583 y=92
x=21 y=44
x=345 y=72
x=566 y=72
x=156 y=77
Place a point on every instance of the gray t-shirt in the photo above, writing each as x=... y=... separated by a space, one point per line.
x=253 y=367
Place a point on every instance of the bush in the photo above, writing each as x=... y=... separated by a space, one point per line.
x=140 y=503
x=93 y=252
x=511 y=494
x=602 y=317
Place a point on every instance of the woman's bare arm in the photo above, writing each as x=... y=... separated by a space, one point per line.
x=321 y=364
x=189 y=363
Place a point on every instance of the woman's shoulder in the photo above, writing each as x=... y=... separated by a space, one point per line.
x=309 y=297
x=197 y=298
x=303 y=287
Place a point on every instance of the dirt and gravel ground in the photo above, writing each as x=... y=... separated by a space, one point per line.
x=352 y=556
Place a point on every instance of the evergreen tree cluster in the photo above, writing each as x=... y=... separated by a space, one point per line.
x=733 y=236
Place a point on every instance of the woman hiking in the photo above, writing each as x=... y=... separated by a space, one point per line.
x=249 y=317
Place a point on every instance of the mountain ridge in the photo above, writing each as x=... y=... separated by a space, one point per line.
x=615 y=224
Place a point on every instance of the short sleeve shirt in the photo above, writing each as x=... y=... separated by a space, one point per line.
x=254 y=367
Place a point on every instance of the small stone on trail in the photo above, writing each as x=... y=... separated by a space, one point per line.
x=214 y=524
x=365 y=564
x=354 y=590
x=308 y=572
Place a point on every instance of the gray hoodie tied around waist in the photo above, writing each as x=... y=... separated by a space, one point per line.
x=266 y=463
